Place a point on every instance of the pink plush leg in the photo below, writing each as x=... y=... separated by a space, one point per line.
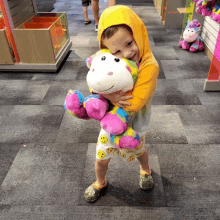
x=201 y=46
x=96 y=107
x=185 y=45
x=129 y=142
x=129 y=139
x=199 y=7
x=113 y=124
x=181 y=43
x=207 y=8
x=74 y=106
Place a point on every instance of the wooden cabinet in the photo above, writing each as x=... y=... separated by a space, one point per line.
x=40 y=41
x=41 y=38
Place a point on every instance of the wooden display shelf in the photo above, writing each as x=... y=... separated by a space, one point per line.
x=41 y=39
x=40 y=42
x=50 y=67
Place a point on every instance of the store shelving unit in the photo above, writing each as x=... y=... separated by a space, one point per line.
x=212 y=83
x=38 y=41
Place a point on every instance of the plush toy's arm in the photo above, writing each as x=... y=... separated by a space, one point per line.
x=144 y=87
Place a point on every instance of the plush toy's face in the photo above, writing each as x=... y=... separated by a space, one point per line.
x=190 y=35
x=109 y=74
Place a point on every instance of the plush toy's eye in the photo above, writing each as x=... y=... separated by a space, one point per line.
x=117 y=59
x=103 y=58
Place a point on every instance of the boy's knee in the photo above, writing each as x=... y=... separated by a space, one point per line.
x=102 y=162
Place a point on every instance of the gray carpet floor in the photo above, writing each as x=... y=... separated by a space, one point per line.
x=47 y=157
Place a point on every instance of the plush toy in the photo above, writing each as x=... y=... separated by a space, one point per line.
x=191 y=39
x=205 y=7
x=216 y=11
x=107 y=74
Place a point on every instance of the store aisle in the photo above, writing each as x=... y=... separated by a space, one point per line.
x=47 y=156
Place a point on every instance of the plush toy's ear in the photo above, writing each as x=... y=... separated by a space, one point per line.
x=96 y=55
x=188 y=24
x=89 y=62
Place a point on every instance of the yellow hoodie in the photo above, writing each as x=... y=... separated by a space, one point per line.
x=149 y=69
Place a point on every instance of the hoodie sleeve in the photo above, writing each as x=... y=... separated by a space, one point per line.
x=144 y=87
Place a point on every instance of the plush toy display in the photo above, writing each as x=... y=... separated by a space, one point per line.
x=208 y=8
x=191 y=39
x=205 y=7
x=216 y=11
x=107 y=74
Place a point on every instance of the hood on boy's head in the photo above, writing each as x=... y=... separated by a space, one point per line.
x=121 y=14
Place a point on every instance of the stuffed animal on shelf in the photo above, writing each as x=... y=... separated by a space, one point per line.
x=216 y=11
x=107 y=74
x=205 y=7
x=191 y=39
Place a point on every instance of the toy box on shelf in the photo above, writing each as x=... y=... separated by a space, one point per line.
x=41 y=39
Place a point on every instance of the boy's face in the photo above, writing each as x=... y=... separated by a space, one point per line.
x=123 y=45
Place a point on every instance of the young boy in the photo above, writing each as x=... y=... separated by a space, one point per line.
x=125 y=35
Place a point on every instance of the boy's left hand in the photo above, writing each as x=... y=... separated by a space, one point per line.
x=118 y=98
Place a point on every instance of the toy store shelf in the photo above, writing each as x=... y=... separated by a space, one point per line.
x=213 y=81
x=40 y=38
x=210 y=33
x=40 y=41
x=39 y=67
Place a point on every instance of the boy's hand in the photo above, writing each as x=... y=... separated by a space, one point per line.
x=118 y=98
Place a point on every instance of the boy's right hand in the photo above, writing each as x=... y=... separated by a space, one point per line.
x=119 y=98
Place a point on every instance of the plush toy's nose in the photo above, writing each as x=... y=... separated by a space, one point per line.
x=110 y=73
